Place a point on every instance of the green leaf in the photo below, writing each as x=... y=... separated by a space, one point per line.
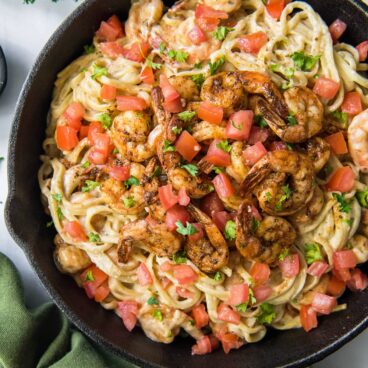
x=162 y=47
x=198 y=79
x=154 y=66
x=267 y=314
x=168 y=147
x=283 y=254
x=49 y=224
x=89 y=49
x=340 y=116
x=254 y=224
x=129 y=202
x=181 y=56
x=58 y=197
x=187 y=115
x=292 y=120
x=221 y=32
x=152 y=301
x=216 y=65
x=185 y=230
x=238 y=127
x=275 y=68
x=115 y=151
x=171 y=54
x=94 y=238
x=268 y=197
x=252 y=299
x=89 y=276
x=218 y=170
x=242 y=308
x=98 y=71
x=90 y=185
x=86 y=164
x=192 y=169
x=283 y=198
x=344 y=204
x=156 y=171
x=289 y=146
x=230 y=230
x=224 y=145
x=197 y=65
x=105 y=120
x=180 y=257
x=131 y=181
x=158 y=315
x=177 y=130
x=217 y=276
x=327 y=170
x=289 y=73
x=313 y=253
x=59 y=213
x=362 y=196
x=304 y=62
x=259 y=120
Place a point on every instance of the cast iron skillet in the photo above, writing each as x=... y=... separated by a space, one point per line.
x=26 y=220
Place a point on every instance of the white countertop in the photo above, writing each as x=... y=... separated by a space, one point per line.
x=24 y=29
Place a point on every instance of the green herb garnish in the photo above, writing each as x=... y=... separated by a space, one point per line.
x=283 y=198
x=105 y=120
x=221 y=32
x=176 y=130
x=180 y=257
x=129 y=202
x=89 y=276
x=89 y=49
x=313 y=253
x=168 y=147
x=343 y=203
x=267 y=314
x=90 y=185
x=94 y=238
x=230 y=230
x=362 y=196
x=292 y=120
x=86 y=164
x=304 y=62
x=98 y=72
x=198 y=79
x=58 y=197
x=192 y=169
x=189 y=229
x=154 y=66
x=217 y=276
x=216 y=65
x=238 y=127
x=284 y=253
x=187 y=115
x=224 y=145
x=152 y=301
x=158 y=315
x=131 y=181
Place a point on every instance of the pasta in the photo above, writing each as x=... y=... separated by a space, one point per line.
x=265 y=230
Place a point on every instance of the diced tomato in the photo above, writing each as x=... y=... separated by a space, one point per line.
x=323 y=303
x=230 y=341
x=363 y=50
x=211 y=203
x=102 y=292
x=209 y=112
x=183 y=292
x=74 y=115
x=204 y=345
x=168 y=91
x=187 y=146
x=253 y=42
x=144 y=276
x=200 y=316
x=131 y=103
x=107 y=32
x=137 y=52
x=342 y=275
x=115 y=22
x=335 y=287
x=203 y=11
x=102 y=143
x=208 y=24
x=227 y=314
x=112 y=49
x=174 y=106
x=308 y=317
x=217 y=156
x=66 y=137
x=277 y=146
x=342 y=180
x=260 y=273
x=275 y=8
x=75 y=230
x=258 y=135
x=337 y=143
x=166 y=266
x=119 y=172
x=183 y=197
x=290 y=266
x=352 y=104
x=128 y=311
x=337 y=28
x=223 y=186
x=96 y=157
x=165 y=282
x=238 y=294
x=358 y=281
x=184 y=274
x=108 y=92
x=326 y=88
x=147 y=75
x=317 y=268
x=167 y=197
x=253 y=154
x=197 y=36
x=92 y=278
x=83 y=131
x=262 y=293
x=199 y=234
x=174 y=214
x=220 y=219
x=344 y=259
x=240 y=125
x=93 y=128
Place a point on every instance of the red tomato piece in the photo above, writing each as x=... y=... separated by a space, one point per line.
x=128 y=311
x=277 y=146
x=199 y=234
x=112 y=49
x=147 y=75
x=203 y=11
x=262 y=293
x=74 y=114
x=308 y=317
x=253 y=154
x=197 y=36
x=231 y=341
x=342 y=275
x=238 y=294
x=200 y=316
x=137 y=52
x=275 y=8
x=66 y=137
x=102 y=143
x=344 y=259
x=166 y=266
x=258 y=135
x=290 y=266
x=167 y=197
x=187 y=146
x=211 y=113
x=220 y=219
x=202 y=347
x=335 y=287
x=183 y=292
x=227 y=314
x=216 y=155
x=144 y=276
x=208 y=24
x=96 y=157
x=83 y=131
x=211 y=204
x=75 y=230
x=337 y=28
x=107 y=32
x=183 y=197
x=342 y=180
x=108 y=92
x=174 y=214
x=326 y=88
x=323 y=303
x=352 y=104
x=184 y=274
x=358 y=280
x=223 y=185
x=239 y=125
x=120 y=173
x=253 y=42
x=168 y=91
x=363 y=50
x=102 y=292
x=337 y=143
x=92 y=278
x=174 y=106
x=115 y=22
x=260 y=273
x=93 y=128
x=317 y=268
x=131 y=103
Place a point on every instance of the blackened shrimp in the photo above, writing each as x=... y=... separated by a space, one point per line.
x=211 y=252
x=319 y=151
x=262 y=241
x=283 y=182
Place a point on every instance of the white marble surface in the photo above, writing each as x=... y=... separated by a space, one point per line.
x=24 y=29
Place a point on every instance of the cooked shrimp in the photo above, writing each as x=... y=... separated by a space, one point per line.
x=358 y=140
x=185 y=86
x=156 y=237
x=238 y=170
x=283 y=182
x=359 y=245
x=205 y=131
x=210 y=253
x=318 y=150
x=132 y=135
x=363 y=226
x=227 y=6
x=263 y=241
x=143 y=14
x=68 y=258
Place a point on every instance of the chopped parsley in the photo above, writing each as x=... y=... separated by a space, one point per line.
x=267 y=314
x=89 y=185
x=217 y=276
x=224 y=145
x=218 y=170
x=287 y=72
x=192 y=169
x=105 y=120
x=327 y=170
x=59 y=213
x=156 y=171
x=94 y=238
x=362 y=196
x=115 y=151
x=197 y=65
x=179 y=56
x=131 y=181
x=287 y=193
x=187 y=115
x=343 y=203
x=285 y=252
x=158 y=315
x=230 y=230
x=57 y=197
x=162 y=47
x=216 y=65
x=168 y=147
x=292 y=120
x=221 y=32
x=242 y=308
x=86 y=164
x=98 y=71
x=154 y=66
x=268 y=197
x=198 y=79
x=180 y=257
x=176 y=130
x=313 y=253
x=50 y=223
x=89 y=276
x=152 y=301
x=259 y=120
x=254 y=224
x=238 y=127
x=129 y=202
x=340 y=116
x=89 y=49
x=185 y=230
x=304 y=62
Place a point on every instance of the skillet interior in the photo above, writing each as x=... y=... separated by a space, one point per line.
x=26 y=219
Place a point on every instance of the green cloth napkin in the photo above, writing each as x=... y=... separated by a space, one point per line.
x=42 y=337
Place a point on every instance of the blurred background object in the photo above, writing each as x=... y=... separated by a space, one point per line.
x=3 y=71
